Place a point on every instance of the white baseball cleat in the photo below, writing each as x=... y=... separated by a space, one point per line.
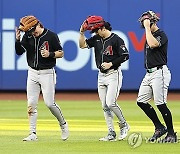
x=110 y=137
x=65 y=131
x=124 y=128
x=31 y=137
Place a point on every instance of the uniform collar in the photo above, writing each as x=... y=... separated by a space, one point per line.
x=108 y=37
x=45 y=30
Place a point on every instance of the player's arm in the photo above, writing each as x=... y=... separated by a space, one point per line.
x=18 y=44
x=122 y=52
x=59 y=54
x=82 y=41
x=82 y=38
x=56 y=46
x=151 y=40
x=118 y=61
x=56 y=54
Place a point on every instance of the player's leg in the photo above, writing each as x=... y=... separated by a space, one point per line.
x=160 y=90
x=48 y=81
x=102 y=91
x=33 y=90
x=144 y=96
x=114 y=82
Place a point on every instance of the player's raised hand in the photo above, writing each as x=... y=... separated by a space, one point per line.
x=83 y=27
x=146 y=23
x=18 y=34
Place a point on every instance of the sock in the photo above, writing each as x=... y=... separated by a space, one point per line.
x=150 y=112
x=167 y=117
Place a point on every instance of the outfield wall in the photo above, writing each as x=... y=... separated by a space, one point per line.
x=77 y=71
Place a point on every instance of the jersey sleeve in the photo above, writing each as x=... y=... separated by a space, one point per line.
x=20 y=46
x=162 y=39
x=121 y=48
x=90 y=42
x=123 y=53
x=56 y=44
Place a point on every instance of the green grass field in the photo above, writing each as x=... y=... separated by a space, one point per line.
x=86 y=124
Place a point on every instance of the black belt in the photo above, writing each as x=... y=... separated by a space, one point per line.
x=151 y=70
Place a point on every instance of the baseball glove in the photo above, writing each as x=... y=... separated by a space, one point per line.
x=27 y=23
x=93 y=22
x=148 y=15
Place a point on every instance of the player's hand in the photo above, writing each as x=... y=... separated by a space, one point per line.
x=44 y=53
x=146 y=23
x=83 y=28
x=81 y=31
x=18 y=34
x=106 y=65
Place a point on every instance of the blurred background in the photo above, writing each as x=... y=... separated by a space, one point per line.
x=77 y=70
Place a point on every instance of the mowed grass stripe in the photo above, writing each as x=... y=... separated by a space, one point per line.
x=71 y=121
x=74 y=125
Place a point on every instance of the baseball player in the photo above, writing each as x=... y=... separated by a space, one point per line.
x=42 y=47
x=110 y=52
x=156 y=81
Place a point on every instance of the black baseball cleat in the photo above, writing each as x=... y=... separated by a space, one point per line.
x=170 y=138
x=158 y=133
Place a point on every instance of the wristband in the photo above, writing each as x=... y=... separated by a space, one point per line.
x=52 y=54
